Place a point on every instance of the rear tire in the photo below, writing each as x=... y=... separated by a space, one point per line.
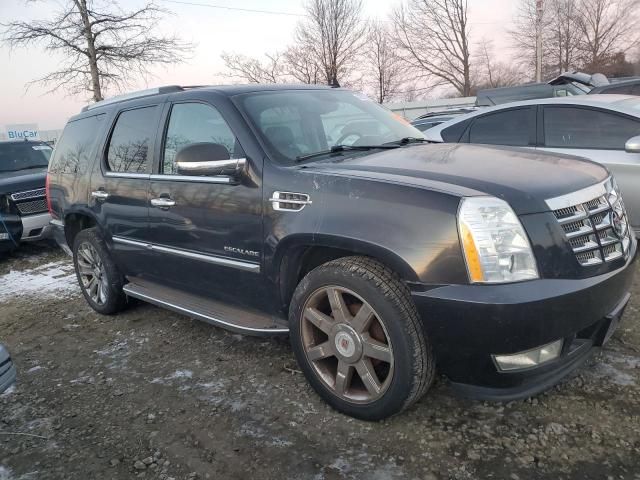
x=357 y=337
x=100 y=280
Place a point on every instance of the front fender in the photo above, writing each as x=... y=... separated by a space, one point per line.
x=355 y=245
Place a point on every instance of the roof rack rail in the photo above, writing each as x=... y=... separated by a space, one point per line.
x=138 y=94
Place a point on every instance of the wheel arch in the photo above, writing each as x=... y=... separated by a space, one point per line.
x=75 y=222
x=299 y=254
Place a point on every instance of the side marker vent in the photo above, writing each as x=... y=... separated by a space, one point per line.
x=289 y=201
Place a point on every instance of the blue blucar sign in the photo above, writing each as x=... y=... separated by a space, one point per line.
x=28 y=131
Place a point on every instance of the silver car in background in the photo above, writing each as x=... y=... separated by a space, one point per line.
x=602 y=128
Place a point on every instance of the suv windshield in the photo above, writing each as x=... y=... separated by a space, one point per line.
x=299 y=123
x=22 y=155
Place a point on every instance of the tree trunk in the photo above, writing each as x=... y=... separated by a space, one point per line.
x=91 y=51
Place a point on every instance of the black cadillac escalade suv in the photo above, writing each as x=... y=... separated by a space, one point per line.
x=314 y=212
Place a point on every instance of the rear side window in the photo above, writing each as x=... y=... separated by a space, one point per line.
x=130 y=145
x=510 y=127
x=570 y=127
x=75 y=148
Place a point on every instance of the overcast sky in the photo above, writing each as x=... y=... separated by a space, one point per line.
x=213 y=30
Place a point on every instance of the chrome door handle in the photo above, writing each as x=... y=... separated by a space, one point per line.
x=100 y=195
x=163 y=202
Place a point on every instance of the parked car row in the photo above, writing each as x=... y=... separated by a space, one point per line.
x=566 y=85
x=316 y=213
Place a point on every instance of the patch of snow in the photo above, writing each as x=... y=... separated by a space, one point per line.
x=54 y=279
x=34 y=369
x=180 y=374
x=7 y=474
x=6 y=393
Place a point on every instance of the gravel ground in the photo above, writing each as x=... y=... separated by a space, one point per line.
x=156 y=395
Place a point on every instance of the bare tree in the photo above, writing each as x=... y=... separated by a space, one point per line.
x=523 y=35
x=563 y=35
x=491 y=73
x=333 y=36
x=253 y=70
x=301 y=66
x=103 y=46
x=383 y=67
x=434 y=36
x=607 y=27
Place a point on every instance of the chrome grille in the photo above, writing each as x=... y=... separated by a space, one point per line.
x=596 y=225
x=32 y=207
x=40 y=192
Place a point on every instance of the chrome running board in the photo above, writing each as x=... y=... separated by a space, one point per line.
x=237 y=319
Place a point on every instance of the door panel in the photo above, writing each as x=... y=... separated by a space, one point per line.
x=210 y=239
x=119 y=186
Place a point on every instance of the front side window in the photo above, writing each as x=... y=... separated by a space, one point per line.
x=196 y=123
x=574 y=127
x=298 y=123
x=131 y=141
x=16 y=156
x=74 y=149
x=511 y=127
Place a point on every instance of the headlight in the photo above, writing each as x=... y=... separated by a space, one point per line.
x=495 y=245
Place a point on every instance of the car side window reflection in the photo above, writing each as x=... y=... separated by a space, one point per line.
x=196 y=123
x=131 y=140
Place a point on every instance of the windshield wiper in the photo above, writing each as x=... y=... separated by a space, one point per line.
x=343 y=148
x=407 y=140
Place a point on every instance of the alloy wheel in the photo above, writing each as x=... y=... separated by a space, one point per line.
x=92 y=273
x=347 y=344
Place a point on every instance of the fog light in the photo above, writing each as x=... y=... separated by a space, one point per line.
x=4 y=236
x=529 y=358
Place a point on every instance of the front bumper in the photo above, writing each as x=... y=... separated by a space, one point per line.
x=467 y=324
x=36 y=227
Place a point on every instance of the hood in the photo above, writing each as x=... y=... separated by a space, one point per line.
x=524 y=178
x=22 y=180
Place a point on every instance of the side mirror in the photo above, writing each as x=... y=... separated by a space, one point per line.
x=207 y=159
x=632 y=145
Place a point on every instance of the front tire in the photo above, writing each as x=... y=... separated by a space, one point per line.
x=357 y=337
x=99 y=278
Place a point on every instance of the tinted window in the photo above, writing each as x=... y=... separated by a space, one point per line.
x=131 y=140
x=75 y=148
x=571 y=127
x=23 y=155
x=511 y=127
x=454 y=133
x=195 y=123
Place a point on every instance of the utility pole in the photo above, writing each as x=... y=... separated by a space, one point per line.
x=539 y=41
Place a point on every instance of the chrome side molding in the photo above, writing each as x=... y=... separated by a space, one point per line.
x=213 y=259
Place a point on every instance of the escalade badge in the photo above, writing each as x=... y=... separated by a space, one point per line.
x=241 y=251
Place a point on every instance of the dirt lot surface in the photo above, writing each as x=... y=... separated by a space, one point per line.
x=156 y=395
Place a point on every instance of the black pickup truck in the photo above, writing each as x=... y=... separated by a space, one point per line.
x=23 y=207
x=313 y=211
